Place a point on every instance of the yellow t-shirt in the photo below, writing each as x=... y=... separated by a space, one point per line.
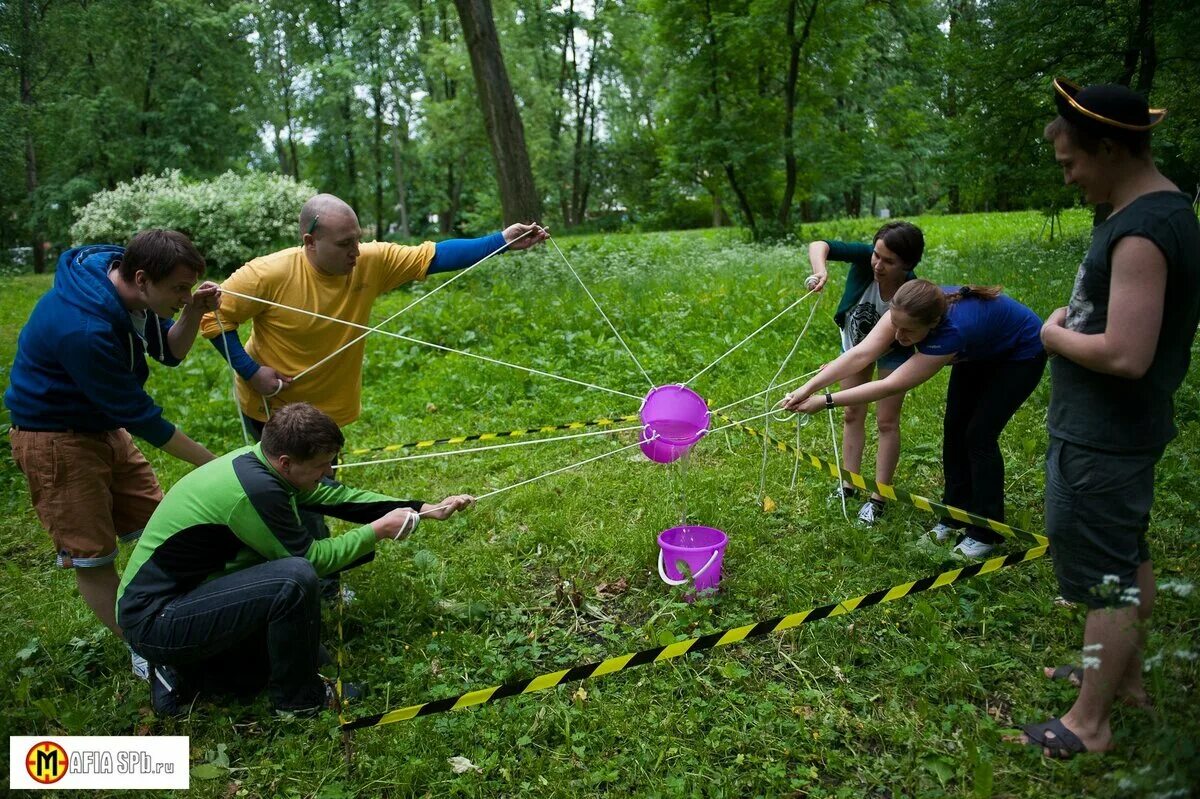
x=290 y=342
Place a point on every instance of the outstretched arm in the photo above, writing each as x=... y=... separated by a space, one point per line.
x=850 y=362
x=454 y=254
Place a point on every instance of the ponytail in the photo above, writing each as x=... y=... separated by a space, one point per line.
x=925 y=301
x=982 y=292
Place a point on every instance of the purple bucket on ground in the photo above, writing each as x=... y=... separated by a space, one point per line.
x=678 y=417
x=701 y=548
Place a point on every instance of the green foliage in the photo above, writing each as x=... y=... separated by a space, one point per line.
x=231 y=218
x=905 y=699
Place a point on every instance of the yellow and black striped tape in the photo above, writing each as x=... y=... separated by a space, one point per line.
x=433 y=442
x=710 y=641
x=891 y=492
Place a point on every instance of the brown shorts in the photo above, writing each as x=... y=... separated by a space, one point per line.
x=88 y=489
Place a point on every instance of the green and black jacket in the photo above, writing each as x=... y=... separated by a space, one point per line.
x=236 y=512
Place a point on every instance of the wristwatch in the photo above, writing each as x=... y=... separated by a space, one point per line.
x=828 y=400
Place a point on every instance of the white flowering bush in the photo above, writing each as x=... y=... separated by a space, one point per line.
x=231 y=218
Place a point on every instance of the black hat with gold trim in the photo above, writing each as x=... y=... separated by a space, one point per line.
x=1106 y=109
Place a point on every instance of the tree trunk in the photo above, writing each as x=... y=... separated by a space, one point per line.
x=140 y=165
x=377 y=98
x=583 y=111
x=398 y=136
x=285 y=84
x=789 y=101
x=954 y=205
x=714 y=88
x=1141 y=56
x=25 y=70
x=519 y=199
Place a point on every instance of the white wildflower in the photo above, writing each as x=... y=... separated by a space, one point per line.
x=1090 y=662
x=1177 y=587
x=1184 y=654
x=1111 y=579
x=1096 y=647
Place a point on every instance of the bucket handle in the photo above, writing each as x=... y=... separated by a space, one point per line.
x=662 y=572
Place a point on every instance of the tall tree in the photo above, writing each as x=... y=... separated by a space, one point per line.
x=519 y=199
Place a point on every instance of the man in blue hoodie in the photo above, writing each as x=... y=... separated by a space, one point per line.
x=76 y=392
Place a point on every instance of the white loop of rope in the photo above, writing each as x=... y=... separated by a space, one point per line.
x=602 y=313
x=765 y=325
x=403 y=337
x=762 y=476
x=417 y=301
x=450 y=452
x=837 y=459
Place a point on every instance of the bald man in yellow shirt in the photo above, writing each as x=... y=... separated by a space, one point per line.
x=332 y=274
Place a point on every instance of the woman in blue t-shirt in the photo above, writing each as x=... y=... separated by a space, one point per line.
x=877 y=270
x=995 y=347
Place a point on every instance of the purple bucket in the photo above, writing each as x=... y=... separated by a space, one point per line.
x=678 y=417
x=701 y=548
x=659 y=451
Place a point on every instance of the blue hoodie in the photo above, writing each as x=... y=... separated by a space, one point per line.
x=81 y=364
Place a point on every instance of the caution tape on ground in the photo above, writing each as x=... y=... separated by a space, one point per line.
x=891 y=492
x=663 y=653
x=528 y=431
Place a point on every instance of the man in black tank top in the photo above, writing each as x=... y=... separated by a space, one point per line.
x=1122 y=347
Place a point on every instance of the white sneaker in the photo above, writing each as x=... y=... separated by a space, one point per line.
x=140 y=668
x=970 y=548
x=941 y=532
x=870 y=512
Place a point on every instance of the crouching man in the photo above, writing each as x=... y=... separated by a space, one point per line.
x=221 y=593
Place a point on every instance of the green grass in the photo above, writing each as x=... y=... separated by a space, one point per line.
x=905 y=699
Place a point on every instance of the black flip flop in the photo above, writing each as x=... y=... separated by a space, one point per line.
x=1063 y=744
x=1068 y=673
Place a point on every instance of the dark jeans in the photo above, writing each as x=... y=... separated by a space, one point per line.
x=257 y=627
x=314 y=523
x=981 y=399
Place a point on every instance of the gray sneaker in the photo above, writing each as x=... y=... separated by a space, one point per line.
x=871 y=512
x=941 y=532
x=970 y=548
x=140 y=668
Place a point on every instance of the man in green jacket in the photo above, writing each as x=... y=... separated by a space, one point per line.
x=222 y=589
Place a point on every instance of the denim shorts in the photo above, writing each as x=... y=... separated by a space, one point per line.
x=1097 y=514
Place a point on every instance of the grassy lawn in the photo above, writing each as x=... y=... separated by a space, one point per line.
x=905 y=699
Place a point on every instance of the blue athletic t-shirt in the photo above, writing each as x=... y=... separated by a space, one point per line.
x=979 y=329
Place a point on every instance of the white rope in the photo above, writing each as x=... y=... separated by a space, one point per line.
x=402 y=337
x=232 y=379
x=449 y=452
x=747 y=338
x=602 y=313
x=765 y=391
x=417 y=301
x=567 y=468
x=740 y=422
x=762 y=476
x=837 y=459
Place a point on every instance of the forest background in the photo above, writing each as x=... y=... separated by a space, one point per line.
x=594 y=114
